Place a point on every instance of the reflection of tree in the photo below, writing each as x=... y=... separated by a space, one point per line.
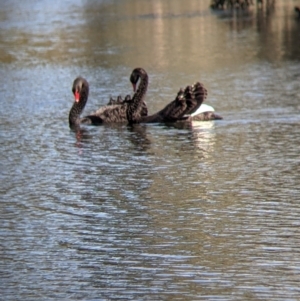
x=278 y=31
x=132 y=33
x=280 y=43
x=221 y=4
x=230 y=4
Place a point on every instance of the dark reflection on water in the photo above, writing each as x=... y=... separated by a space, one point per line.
x=150 y=212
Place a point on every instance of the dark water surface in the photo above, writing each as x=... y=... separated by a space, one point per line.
x=208 y=211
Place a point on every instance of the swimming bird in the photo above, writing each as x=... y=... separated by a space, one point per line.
x=187 y=101
x=111 y=113
x=186 y=106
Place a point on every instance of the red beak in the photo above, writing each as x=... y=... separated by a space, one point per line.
x=77 y=96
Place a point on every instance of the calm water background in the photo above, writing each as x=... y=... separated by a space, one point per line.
x=210 y=211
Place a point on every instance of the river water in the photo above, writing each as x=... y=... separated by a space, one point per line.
x=205 y=211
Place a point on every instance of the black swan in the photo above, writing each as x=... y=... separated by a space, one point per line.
x=184 y=107
x=203 y=112
x=113 y=112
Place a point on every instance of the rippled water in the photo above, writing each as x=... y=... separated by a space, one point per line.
x=207 y=211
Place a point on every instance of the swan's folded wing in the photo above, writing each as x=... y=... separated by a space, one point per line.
x=117 y=101
x=121 y=101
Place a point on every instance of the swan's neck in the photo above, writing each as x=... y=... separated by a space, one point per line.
x=135 y=104
x=77 y=108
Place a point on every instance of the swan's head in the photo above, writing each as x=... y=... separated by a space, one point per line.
x=80 y=87
x=137 y=73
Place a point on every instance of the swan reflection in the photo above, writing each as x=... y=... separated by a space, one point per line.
x=139 y=137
